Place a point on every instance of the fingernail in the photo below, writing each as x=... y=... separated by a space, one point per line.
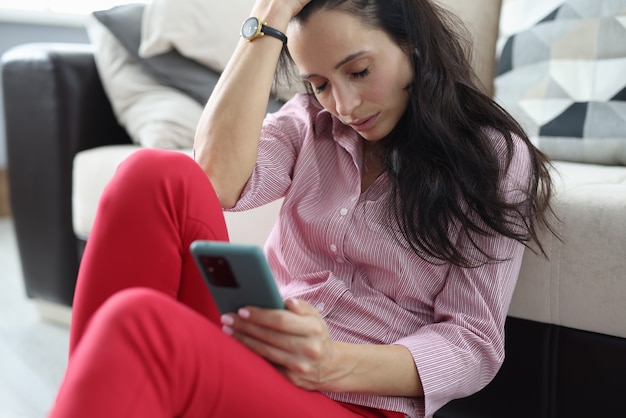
x=244 y=313
x=227 y=330
x=227 y=320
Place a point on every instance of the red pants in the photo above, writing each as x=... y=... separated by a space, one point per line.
x=145 y=337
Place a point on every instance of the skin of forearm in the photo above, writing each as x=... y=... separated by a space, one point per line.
x=387 y=370
x=226 y=140
x=227 y=135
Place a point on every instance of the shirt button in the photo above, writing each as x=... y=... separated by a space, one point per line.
x=339 y=260
x=320 y=306
x=343 y=212
x=333 y=248
x=354 y=199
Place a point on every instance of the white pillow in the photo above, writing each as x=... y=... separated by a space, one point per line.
x=206 y=31
x=203 y=30
x=154 y=115
x=561 y=74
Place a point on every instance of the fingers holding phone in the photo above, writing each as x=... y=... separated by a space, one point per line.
x=296 y=340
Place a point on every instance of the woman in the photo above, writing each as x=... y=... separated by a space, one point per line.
x=409 y=197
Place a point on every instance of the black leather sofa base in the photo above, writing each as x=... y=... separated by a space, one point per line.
x=551 y=371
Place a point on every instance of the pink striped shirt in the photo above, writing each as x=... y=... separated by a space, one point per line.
x=330 y=247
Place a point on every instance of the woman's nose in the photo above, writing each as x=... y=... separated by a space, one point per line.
x=346 y=100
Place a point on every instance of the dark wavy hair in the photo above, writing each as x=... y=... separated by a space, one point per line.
x=446 y=174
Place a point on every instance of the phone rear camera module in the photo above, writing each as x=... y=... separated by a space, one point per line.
x=219 y=272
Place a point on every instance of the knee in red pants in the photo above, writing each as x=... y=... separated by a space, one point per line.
x=157 y=203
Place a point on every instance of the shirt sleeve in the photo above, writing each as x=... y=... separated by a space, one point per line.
x=462 y=350
x=279 y=146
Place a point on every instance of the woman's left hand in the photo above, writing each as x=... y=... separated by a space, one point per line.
x=296 y=340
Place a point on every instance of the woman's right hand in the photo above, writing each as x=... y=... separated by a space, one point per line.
x=286 y=8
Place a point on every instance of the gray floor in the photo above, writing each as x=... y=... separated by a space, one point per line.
x=33 y=353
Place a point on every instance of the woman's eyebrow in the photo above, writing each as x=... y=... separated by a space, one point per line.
x=339 y=64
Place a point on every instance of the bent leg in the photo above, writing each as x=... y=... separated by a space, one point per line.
x=157 y=203
x=147 y=355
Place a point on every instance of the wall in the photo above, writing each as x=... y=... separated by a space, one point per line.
x=17 y=33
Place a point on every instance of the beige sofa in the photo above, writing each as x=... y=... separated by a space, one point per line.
x=582 y=285
x=590 y=201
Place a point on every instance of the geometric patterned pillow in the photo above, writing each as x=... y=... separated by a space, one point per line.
x=562 y=74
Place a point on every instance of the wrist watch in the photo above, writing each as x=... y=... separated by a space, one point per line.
x=253 y=28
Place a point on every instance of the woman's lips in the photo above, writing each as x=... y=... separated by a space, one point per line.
x=365 y=124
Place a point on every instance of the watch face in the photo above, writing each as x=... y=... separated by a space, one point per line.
x=250 y=28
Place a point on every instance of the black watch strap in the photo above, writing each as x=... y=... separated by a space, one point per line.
x=270 y=31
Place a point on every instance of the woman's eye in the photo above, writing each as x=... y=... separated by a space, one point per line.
x=361 y=74
x=356 y=75
x=319 y=89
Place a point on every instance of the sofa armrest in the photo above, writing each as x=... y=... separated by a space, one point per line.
x=54 y=106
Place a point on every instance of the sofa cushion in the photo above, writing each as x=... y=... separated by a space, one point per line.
x=203 y=30
x=206 y=31
x=154 y=115
x=153 y=97
x=94 y=168
x=583 y=284
x=561 y=74
x=169 y=68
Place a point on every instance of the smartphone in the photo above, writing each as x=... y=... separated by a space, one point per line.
x=237 y=275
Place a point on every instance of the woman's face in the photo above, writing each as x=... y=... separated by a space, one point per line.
x=358 y=73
